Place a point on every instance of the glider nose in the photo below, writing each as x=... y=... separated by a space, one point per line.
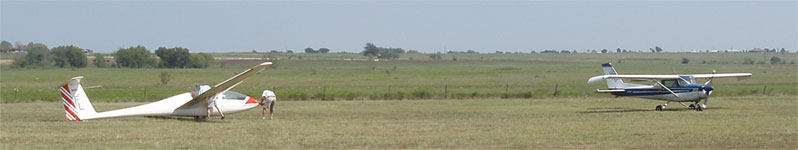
x=251 y=101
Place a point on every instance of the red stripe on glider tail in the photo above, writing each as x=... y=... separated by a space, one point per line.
x=71 y=113
x=66 y=88
x=67 y=98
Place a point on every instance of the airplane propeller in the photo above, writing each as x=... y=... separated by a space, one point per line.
x=707 y=88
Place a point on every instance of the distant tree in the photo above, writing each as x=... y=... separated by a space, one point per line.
x=574 y=51
x=38 y=54
x=99 y=60
x=310 y=50
x=370 y=50
x=618 y=50
x=565 y=51
x=176 y=57
x=200 y=60
x=652 y=50
x=604 y=50
x=134 y=57
x=289 y=51
x=549 y=51
x=397 y=50
x=775 y=60
x=73 y=56
x=783 y=50
x=6 y=46
x=685 y=61
x=413 y=52
x=658 y=49
x=532 y=52
x=388 y=54
x=254 y=51
x=435 y=56
x=324 y=50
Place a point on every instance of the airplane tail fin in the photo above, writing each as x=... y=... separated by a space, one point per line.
x=76 y=103
x=612 y=83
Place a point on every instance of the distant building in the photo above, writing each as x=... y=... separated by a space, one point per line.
x=88 y=51
x=733 y=51
x=757 y=50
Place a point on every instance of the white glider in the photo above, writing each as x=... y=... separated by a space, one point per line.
x=78 y=107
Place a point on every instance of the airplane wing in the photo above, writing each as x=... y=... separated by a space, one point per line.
x=722 y=75
x=665 y=77
x=633 y=77
x=202 y=99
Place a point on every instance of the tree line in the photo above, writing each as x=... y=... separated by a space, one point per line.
x=371 y=50
x=39 y=55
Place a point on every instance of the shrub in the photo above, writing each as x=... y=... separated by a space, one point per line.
x=421 y=94
x=164 y=77
x=748 y=61
x=775 y=60
x=99 y=60
x=685 y=61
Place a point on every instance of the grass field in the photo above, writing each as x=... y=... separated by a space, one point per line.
x=747 y=122
x=413 y=76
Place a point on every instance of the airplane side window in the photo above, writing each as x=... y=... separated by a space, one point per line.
x=669 y=83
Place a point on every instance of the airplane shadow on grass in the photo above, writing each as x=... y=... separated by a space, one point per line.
x=160 y=118
x=182 y=119
x=627 y=109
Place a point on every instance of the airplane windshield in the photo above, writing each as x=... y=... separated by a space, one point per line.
x=234 y=95
x=686 y=80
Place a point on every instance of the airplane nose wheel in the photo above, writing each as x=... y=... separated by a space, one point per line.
x=659 y=108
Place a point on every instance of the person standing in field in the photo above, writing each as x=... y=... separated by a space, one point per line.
x=211 y=101
x=267 y=99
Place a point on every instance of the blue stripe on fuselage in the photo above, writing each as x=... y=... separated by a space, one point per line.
x=653 y=91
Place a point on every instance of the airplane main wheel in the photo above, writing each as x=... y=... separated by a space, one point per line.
x=699 y=109
x=691 y=107
x=659 y=108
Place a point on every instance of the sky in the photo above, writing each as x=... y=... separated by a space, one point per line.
x=426 y=26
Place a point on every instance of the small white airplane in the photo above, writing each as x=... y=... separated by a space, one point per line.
x=677 y=88
x=78 y=107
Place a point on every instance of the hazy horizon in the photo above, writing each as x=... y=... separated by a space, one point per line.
x=243 y=26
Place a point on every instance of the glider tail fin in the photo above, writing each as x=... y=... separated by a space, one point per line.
x=612 y=83
x=76 y=103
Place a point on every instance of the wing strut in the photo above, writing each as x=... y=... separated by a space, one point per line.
x=666 y=88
